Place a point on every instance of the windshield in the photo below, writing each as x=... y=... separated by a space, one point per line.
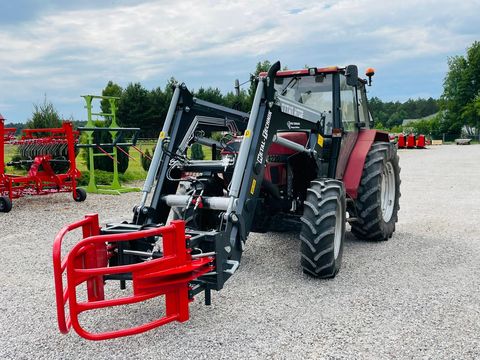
x=312 y=91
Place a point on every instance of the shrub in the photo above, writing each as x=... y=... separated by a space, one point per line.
x=104 y=162
x=197 y=152
x=147 y=159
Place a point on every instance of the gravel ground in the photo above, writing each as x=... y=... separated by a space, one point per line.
x=415 y=296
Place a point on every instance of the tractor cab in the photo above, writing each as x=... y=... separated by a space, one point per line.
x=323 y=88
x=339 y=95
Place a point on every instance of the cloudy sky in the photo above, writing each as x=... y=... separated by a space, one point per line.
x=63 y=49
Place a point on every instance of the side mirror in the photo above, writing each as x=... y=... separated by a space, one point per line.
x=351 y=73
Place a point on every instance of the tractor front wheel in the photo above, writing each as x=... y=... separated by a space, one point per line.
x=323 y=228
x=5 y=204
x=377 y=202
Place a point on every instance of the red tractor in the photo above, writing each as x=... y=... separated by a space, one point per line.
x=303 y=158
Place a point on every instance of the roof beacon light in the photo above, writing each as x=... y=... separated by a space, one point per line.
x=370 y=72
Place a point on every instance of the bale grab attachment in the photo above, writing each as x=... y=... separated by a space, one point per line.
x=87 y=263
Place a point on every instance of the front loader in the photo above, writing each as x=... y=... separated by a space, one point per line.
x=302 y=159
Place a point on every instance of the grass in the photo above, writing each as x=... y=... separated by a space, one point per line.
x=134 y=172
x=10 y=152
x=207 y=152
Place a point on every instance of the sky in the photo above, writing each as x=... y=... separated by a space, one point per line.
x=63 y=49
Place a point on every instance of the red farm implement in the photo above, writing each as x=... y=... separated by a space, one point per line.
x=87 y=263
x=49 y=157
x=411 y=141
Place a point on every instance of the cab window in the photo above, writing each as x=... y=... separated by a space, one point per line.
x=347 y=105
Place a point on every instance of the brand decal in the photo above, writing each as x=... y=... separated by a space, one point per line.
x=293 y=125
x=292 y=110
x=264 y=137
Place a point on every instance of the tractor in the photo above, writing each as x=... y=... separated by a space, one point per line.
x=301 y=160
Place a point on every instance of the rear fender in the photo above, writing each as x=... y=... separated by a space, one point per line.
x=354 y=168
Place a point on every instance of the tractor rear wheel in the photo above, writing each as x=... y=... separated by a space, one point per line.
x=377 y=202
x=323 y=228
x=5 y=204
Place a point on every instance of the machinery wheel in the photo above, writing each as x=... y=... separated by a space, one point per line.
x=80 y=195
x=323 y=228
x=377 y=204
x=5 y=204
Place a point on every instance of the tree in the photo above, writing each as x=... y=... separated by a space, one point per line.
x=431 y=126
x=210 y=94
x=461 y=88
x=134 y=108
x=238 y=102
x=262 y=66
x=44 y=116
x=18 y=126
x=111 y=89
x=159 y=101
x=197 y=152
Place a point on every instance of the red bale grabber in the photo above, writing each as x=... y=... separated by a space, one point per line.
x=168 y=274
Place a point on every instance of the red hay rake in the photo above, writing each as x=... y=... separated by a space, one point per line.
x=40 y=148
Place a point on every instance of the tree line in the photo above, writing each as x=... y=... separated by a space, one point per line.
x=147 y=109
x=457 y=110
x=458 y=106
x=390 y=114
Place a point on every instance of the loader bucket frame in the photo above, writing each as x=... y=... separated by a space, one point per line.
x=87 y=263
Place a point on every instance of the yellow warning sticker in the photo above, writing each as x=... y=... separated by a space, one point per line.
x=320 y=140
x=252 y=188
x=248 y=133
x=162 y=135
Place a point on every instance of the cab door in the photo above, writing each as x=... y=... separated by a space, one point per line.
x=350 y=119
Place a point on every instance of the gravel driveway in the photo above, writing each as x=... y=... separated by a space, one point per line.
x=415 y=296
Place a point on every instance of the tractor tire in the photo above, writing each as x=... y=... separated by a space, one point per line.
x=5 y=204
x=323 y=228
x=377 y=202
x=80 y=195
